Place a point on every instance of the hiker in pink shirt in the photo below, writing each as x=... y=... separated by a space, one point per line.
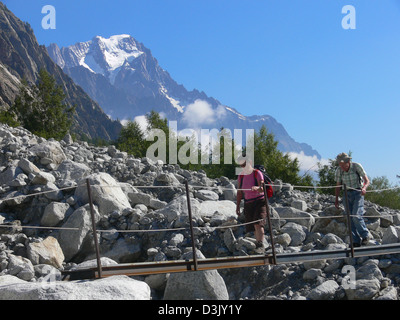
x=250 y=182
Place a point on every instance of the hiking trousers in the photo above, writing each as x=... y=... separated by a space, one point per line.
x=356 y=206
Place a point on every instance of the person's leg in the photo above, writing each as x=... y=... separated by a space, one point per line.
x=357 y=217
x=248 y=215
x=356 y=236
x=259 y=233
x=261 y=213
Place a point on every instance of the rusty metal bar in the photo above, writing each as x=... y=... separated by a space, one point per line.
x=191 y=225
x=346 y=202
x=159 y=267
x=95 y=239
x=269 y=223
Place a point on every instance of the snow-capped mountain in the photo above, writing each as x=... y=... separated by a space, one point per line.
x=121 y=74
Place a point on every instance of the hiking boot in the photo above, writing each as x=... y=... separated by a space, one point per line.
x=365 y=241
x=260 y=249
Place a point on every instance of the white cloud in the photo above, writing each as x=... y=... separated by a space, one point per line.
x=142 y=122
x=201 y=113
x=307 y=163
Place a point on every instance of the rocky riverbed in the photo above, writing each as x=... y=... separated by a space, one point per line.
x=45 y=227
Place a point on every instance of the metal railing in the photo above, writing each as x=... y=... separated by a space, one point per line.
x=214 y=263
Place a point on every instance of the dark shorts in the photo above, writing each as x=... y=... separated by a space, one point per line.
x=255 y=210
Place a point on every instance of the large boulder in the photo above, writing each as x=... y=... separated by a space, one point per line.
x=47 y=251
x=54 y=213
x=71 y=170
x=295 y=215
x=391 y=235
x=224 y=208
x=49 y=152
x=331 y=220
x=365 y=289
x=112 y=288
x=177 y=210
x=325 y=291
x=20 y=267
x=106 y=193
x=191 y=285
x=71 y=241
x=296 y=233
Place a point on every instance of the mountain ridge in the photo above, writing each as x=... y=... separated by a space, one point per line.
x=131 y=87
x=21 y=57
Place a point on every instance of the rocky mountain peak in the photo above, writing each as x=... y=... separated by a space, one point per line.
x=21 y=56
x=127 y=81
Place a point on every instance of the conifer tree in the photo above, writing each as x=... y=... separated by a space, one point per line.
x=131 y=140
x=40 y=108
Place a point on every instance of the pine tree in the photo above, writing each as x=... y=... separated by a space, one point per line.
x=40 y=109
x=277 y=164
x=131 y=140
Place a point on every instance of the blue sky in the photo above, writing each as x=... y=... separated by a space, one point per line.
x=335 y=89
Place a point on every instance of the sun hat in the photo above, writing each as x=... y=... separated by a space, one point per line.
x=343 y=157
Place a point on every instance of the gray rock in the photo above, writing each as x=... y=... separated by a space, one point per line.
x=299 y=205
x=54 y=213
x=106 y=193
x=206 y=195
x=325 y=291
x=71 y=240
x=296 y=233
x=47 y=251
x=312 y=274
x=9 y=174
x=122 y=251
x=9 y=279
x=365 y=289
x=391 y=235
x=70 y=170
x=20 y=267
x=369 y=270
x=297 y=216
x=230 y=192
x=317 y=264
x=283 y=239
x=205 y=285
x=111 y=288
x=178 y=207
x=389 y=293
x=92 y=263
x=229 y=240
x=225 y=208
x=43 y=178
x=28 y=167
x=50 y=150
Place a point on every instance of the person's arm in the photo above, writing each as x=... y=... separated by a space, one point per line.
x=260 y=181
x=239 y=196
x=365 y=186
x=360 y=170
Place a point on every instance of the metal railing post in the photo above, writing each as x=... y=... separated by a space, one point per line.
x=269 y=224
x=191 y=225
x=96 y=242
x=346 y=202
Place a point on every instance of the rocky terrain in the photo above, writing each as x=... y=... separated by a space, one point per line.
x=45 y=227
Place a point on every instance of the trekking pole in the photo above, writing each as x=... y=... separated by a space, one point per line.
x=346 y=202
x=269 y=224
